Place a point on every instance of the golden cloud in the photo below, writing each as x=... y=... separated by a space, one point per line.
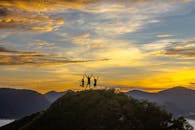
x=165 y=35
x=23 y=20
x=35 y=15
x=184 y=48
x=10 y=57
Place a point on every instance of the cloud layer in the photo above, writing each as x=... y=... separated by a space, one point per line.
x=40 y=15
x=141 y=39
x=9 y=57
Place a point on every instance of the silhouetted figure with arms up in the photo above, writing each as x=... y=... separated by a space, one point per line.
x=95 y=81
x=88 y=80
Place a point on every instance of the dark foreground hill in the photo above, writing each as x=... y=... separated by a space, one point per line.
x=178 y=100
x=15 y=103
x=100 y=110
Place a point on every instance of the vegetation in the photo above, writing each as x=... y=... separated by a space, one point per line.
x=102 y=110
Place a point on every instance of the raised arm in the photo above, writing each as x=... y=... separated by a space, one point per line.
x=86 y=75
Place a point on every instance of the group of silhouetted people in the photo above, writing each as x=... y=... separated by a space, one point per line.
x=89 y=77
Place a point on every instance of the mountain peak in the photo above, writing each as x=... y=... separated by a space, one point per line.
x=177 y=89
x=136 y=91
x=180 y=88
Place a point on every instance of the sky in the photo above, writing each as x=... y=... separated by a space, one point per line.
x=130 y=44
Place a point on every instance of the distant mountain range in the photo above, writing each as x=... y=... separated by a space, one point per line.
x=16 y=103
x=178 y=100
x=53 y=95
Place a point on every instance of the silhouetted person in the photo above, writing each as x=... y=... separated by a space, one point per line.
x=95 y=81
x=88 y=80
x=82 y=82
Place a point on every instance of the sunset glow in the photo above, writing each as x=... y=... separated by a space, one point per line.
x=130 y=44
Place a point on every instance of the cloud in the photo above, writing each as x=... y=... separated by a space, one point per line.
x=40 y=45
x=187 y=52
x=120 y=52
x=183 y=48
x=45 y=5
x=192 y=83
x=15 y=16
x=27 y=21
x=9 y=57
x=2 y=49
x=114 y=18
x=94 y=30
x=84 y=40
x=3 y=11
x=40 y=15
x=165 y=35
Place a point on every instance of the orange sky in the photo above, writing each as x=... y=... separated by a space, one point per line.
x=135 y=44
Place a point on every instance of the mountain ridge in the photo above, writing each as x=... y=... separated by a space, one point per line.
x=177 y=100
x=16 y=103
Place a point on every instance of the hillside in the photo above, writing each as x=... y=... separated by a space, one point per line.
x=99 y=110
x=178 y=100
x=16 y=103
